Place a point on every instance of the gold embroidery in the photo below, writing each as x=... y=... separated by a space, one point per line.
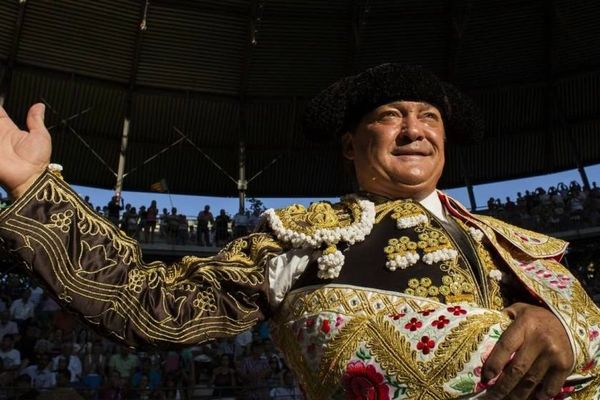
x=131 y=281
x=533 y=243
x=319 y=215
x=61 y=221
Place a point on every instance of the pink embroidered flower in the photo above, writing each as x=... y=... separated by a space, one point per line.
x=413 y=324
x=441 y=322
x=325 y=328
x=564 y=392
x=594 y=334
x=457 y=310
x=425 y=345
x=363 y=382
x=338 y=320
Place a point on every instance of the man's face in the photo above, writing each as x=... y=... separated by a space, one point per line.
x=398 y=149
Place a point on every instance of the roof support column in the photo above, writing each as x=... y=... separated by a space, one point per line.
x=122 y=152
x=129 y=98
x=242 y=183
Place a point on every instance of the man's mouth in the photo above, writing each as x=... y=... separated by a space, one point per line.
x=403 y=152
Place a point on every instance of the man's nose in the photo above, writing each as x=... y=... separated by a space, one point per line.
x=411 y=129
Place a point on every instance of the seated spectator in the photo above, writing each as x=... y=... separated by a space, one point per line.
x=41 y=373
x=22 y=309
x=69 y=360
x=123 y=362
x=254 y=372
x=223 y=378
x=288 y=390
x=11 y=357
x=7 y=327
x=150 y=372
x=94 y=366
x=63 y=389
x=115 y=388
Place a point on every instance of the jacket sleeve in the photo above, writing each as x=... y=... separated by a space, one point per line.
x=96 y=271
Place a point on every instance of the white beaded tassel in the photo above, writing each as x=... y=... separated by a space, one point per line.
x=440 y=255
x=402 y=262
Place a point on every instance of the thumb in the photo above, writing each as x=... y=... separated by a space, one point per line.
x=35 y=117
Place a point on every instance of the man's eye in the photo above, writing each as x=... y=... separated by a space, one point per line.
x=388 y=115
x=430 y=115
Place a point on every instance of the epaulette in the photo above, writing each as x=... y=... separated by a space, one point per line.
x=322 y=226
x=534 y=244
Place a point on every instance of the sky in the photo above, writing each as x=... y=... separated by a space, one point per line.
x=191 y=205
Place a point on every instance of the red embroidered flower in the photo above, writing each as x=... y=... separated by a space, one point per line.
x=363 y=382
x=310 y=323
x=397 y=316
x=426 y=312
x=425 y=345
x=325 y=326
x=413 y=324
x=457 y=310
x=441 y=322
x=594 y=334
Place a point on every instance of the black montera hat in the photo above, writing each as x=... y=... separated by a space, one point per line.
x=340 y=107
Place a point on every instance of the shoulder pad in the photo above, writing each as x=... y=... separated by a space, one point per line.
x=532 y=243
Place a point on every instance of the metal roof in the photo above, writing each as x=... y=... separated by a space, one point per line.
x=225 y=71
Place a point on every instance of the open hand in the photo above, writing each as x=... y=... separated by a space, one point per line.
x=23 y=155
x=533 y=356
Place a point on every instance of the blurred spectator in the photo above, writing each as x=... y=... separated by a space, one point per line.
x=288 y=390
x=172 y=221
x=182 y=230
x=223 y=378
x=7 y=327
x=115 y=388
x=22 y=309
x=130 y=220
x=123 y=362
x=240 y=224
x=150 y=227
x=205 y=218
x=41 y=373
x=114 y=207
x=254 y=373
x=221 y=228
x=150 y=372
x=11 y=357
x=69 y=360
x=94 y=366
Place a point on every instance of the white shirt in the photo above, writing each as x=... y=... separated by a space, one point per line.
x=21 y=311
x=43 y=379
x=74 y=366
x=10 y=358
x=9 y=328
x=286 y=268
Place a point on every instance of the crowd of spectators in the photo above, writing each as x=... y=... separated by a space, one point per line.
x=559 y=208
x=45 y=353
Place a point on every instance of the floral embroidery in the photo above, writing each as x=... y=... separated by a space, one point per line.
x=325 y=328
x=457 y=310
x=441 y=322
x=425 y=345
x=413 y=324
x=362 y=381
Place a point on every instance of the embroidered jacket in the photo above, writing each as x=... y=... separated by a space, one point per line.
x=404 y=335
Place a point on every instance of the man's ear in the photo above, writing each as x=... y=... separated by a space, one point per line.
x=348 y=146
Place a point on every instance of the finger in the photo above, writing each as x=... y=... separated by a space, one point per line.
x=530 y=381
x=510 y=342
x=35 y=118
x=552 y=384
x=513 y=374
x=5 y=120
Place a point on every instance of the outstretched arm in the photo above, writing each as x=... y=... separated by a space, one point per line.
x=97 y=271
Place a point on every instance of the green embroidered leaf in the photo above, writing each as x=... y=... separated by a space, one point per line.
x=495 y=334
x=464 y=385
